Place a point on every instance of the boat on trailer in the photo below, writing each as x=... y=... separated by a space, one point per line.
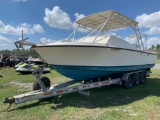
x=98 y=54
x=99 y=60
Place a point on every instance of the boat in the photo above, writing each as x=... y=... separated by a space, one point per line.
x=18 y=65
x=98 y=54
x=30 y=66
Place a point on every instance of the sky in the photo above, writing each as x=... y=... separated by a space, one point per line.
x=48 y=21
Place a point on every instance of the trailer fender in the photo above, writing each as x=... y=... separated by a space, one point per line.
x=125 y=76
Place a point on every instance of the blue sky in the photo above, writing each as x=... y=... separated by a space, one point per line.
x=52 y=20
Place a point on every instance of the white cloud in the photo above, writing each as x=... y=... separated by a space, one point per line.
x=4 y=39
x=46 y=41
x=154 y=30
x=57 y=18
x=6 y=43
x=78 y=17
x=38 y=28
x=27 y=29
x=6 y=46
x=149 y=20
x=131 y=40
x=153 y=41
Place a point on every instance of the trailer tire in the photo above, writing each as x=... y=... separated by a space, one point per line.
x=142 y=77
x=46 y=82
x=136 y=79
x=129 y=82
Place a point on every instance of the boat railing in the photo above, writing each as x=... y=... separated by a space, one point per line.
x=143 y=44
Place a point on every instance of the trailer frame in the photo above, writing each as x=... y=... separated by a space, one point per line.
x=65 y=88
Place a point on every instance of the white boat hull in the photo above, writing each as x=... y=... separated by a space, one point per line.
x=85 y=62
x=94 y=56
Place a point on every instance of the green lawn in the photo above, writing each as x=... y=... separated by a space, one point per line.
x=158 y=61
x=112 y=103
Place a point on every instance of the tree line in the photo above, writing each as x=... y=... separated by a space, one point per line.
x=20 y=52
x=155 y=48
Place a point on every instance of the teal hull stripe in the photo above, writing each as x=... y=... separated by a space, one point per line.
x=88 y=72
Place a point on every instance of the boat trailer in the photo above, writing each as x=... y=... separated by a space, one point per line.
x=42 y=88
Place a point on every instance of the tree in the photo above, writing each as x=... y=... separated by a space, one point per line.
x=153 y=48
x=158 y=48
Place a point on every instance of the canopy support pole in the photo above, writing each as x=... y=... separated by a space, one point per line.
x=104 y=24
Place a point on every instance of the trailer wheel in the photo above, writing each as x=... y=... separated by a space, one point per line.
x=45 y=81
x=136 y=79
x=129 y=82
x=142 y=77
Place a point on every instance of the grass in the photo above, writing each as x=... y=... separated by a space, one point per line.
x=158 y=61
x=112 y=103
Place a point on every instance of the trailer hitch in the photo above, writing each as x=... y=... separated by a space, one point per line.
x=10 y=101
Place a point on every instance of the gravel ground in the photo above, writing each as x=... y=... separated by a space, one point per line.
x=157 y=66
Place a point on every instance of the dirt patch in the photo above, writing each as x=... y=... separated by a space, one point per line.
x=24 y=85
x=157 y=66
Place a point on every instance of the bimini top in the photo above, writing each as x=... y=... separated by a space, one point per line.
x=115 y=20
